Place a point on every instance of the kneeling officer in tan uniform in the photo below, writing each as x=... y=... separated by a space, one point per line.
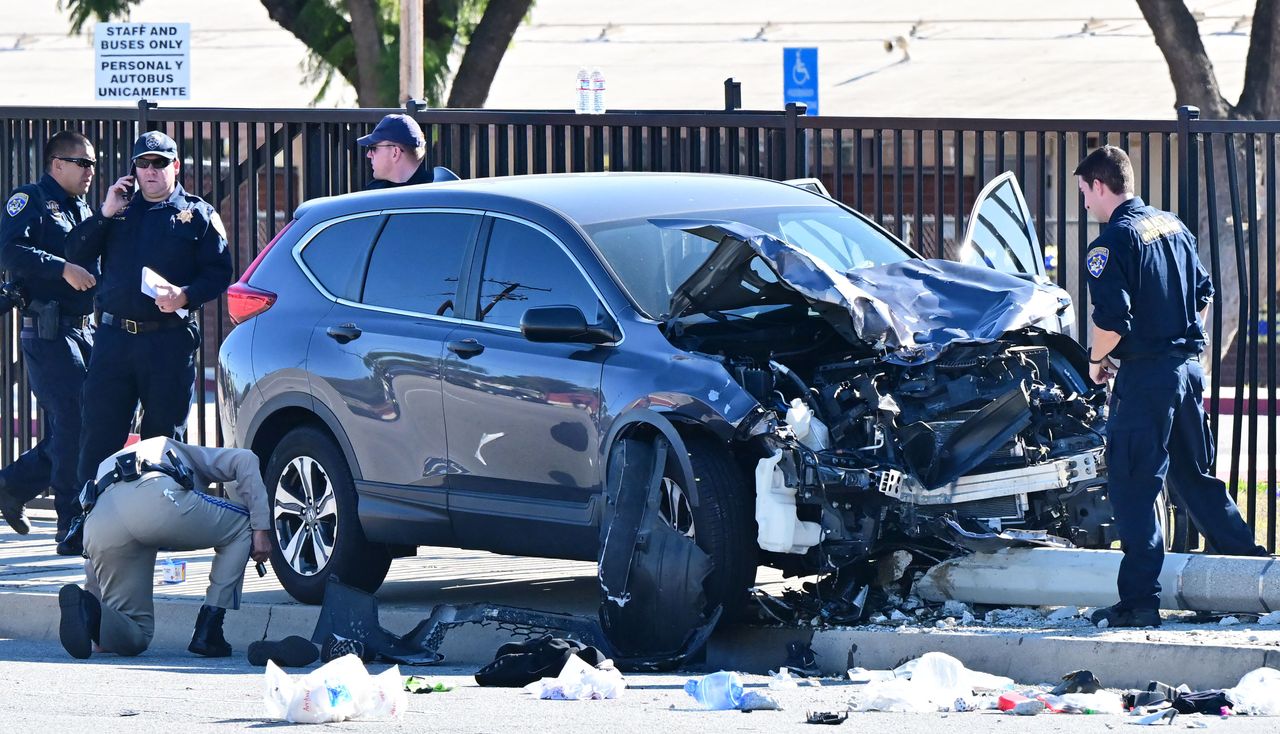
x=150 y=496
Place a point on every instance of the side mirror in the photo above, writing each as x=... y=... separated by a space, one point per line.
x=566 y=324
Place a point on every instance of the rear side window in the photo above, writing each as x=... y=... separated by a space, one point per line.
x=336 y=256
x=417 y=262
x=524 y=269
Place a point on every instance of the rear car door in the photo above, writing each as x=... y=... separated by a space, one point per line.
x=522 y=418
x=375 y=363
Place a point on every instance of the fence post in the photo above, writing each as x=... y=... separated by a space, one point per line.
x=790 y=148
x=732 y=95
x=144 y=119
x=1188 y=151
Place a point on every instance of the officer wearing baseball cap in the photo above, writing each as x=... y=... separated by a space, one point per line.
x=151 y=495
x=164 y=254
x=397 y=150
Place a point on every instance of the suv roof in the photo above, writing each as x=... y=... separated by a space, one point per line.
x=586 y=198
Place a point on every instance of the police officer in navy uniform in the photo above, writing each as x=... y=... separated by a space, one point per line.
x=1150 y=294
x=56 y=332
x=397 y=151
x=145 y=350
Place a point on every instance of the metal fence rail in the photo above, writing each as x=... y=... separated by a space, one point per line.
x=917 y=177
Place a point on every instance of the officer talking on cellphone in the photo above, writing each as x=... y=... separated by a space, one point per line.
x=164 y=254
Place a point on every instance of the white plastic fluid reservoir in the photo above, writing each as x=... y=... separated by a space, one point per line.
x=780 y=530
x=808 y=429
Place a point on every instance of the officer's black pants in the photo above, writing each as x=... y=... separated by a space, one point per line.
x=56 y=372
x=155 y=368
x=1157 y=432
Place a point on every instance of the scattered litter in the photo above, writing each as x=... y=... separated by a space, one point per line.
x=579 y=681
x=1160 y=717
x=758 y=701
x=1062 y=614
x=1077 y=681
x=1197 y=724
x=1101 y=702
x=414 y=684
x=826 y=717
x=1029 y=707
x=897 y=616
x=930 y=682
x=336 y=691
x=967 y=618
x=1229 y=621
x=128 y=712
x=718 y=691
x=1257 y=693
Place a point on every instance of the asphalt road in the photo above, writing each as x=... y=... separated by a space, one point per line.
x=167 y=691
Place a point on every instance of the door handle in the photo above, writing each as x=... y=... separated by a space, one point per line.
x=343 y=333
x=467 y=348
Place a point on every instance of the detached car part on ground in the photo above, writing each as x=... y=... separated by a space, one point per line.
x=678 y=375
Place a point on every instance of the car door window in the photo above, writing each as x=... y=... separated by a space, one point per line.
x=524 y=269
x=417 y=262
x=336 y=255
x=1000 y=234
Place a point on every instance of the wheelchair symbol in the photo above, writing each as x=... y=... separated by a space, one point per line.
x=799 y=72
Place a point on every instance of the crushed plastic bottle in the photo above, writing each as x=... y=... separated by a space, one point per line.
x=717 y=691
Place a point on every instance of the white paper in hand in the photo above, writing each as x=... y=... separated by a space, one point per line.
x=151 y=282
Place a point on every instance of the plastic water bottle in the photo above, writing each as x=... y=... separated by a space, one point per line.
x=718 y=691
x=583 y=105
x=597 y=92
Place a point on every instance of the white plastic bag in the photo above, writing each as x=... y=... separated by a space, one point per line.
x=339 y=690
x=928 y=683
x=579 y=681
x=1257 y=693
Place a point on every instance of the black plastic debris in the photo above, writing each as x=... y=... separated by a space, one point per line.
x=1077 y=681
x=826 y=717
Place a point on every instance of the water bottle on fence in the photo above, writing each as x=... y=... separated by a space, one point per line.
x=597 y=92
x=718 y=691
x=582 y=105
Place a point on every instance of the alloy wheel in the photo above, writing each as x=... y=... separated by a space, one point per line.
x=305 y=516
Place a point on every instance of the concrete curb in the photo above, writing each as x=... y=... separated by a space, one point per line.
x=1031 y=657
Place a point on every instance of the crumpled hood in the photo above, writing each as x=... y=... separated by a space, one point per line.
x=911 y=310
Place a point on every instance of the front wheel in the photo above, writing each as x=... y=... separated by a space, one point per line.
x=316 y=529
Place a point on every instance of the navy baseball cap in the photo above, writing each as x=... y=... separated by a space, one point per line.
x=155 y=143
x=400 y=129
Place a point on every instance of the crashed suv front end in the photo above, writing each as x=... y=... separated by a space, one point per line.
x=931 y=405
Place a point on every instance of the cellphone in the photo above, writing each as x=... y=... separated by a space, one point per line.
x=261 y=568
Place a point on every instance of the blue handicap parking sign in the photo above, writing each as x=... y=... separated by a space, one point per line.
x=800 y=77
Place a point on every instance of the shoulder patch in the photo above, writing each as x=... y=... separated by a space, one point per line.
x=1096 y=260
x=215 y=221
x=17 y=203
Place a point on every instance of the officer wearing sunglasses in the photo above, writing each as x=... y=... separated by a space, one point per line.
x=57 y=334
x=164 y=254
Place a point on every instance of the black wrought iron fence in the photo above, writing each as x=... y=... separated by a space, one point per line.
x=917 y=177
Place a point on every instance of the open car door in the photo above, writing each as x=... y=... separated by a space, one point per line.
x=1000 y=234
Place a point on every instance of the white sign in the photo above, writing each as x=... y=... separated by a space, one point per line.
x=133 y=61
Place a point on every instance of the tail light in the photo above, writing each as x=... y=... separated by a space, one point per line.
x=245 y=301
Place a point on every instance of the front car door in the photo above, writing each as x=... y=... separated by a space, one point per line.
x=522 y=418
x=1000 y=233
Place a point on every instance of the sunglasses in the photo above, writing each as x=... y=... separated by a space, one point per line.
x=152 y=163
x=82 y=162
x=387 y=145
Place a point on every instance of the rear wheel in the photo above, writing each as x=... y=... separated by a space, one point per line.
x=316 y=530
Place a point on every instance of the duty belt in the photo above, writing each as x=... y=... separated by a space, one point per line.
x=142 y=327
x=75 y=322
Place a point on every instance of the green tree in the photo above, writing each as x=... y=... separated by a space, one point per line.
x=359 y=41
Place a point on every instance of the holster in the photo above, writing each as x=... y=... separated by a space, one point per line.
x=48 y=315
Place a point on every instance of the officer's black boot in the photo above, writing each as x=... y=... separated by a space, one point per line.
x=207 y=639
x=81 y=620
x=13 y=511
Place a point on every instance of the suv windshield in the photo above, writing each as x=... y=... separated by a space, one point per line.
x=652 y=261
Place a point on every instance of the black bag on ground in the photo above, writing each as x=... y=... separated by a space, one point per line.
x=1202 y=702
x=518 y=664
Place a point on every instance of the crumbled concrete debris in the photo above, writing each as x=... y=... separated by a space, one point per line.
x=967 y=618
x=1270 y=618
x=1062 y=614
x=953 y=608
x=897 y=616
x=891 y=569
x=912 y=603
x=945 y=623
x=878 y=619
x=1015 y=617
x=1229 y=621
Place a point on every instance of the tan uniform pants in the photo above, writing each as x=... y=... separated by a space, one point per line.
x=133 y=519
